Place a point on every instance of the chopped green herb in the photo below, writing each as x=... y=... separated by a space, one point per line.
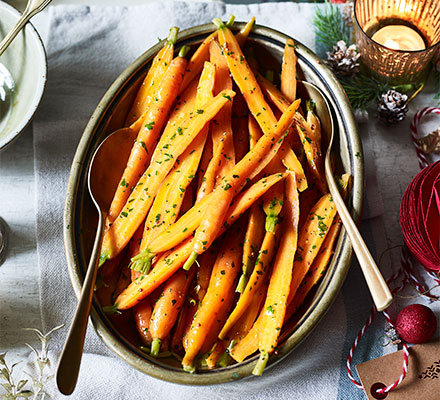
x=149 y=125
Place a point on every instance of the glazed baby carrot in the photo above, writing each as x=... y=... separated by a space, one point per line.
x=154 y=120
x=195 y=64
x=221 y=130
x=252 y=241
x=154 y=76
x=139 y=202
x=187 y=223
x=311 y=146
x=262 y=266
x=244 y=78
x=240 y=126
x=311 y=238
x=245 y=323
x=317 y=269
x=206 y=262
x=249 y=87
x=169 y=199
x=248 y=344
x=254 y=232
x=275 y=305
x=272 y=205
x=215 y=354
x=201 y=55
x=244 y=32
x=179 y=331
x=313 y=121
x=204 y=162
x=133 y=249
x=170 y=262
x=248 y=167
x=142 y=315
x=167 y=307
x=224 y=273
x=320 y=263
x=223 y=158
x=312 y=151
x=212 y=336
x=276 y=97
x=242 y=328
x=288 y=71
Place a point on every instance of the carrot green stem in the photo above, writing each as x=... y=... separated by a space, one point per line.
x=191 y=260
x=231 y=345
x=189 y=368
x=184 y=50
x=242 y=283
x=230 y=21
x=172 y=36
x=224 y=360
x=164 y=354
x=155 y=347
x=111 y=309
x=271 y=221
x=142 y=262
x=218 y=23
x=141 y=266
x=102 y=259
x=261 y=363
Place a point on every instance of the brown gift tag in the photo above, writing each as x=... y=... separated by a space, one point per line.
x=422 y=381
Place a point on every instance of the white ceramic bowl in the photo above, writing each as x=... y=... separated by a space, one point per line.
x=26 y=60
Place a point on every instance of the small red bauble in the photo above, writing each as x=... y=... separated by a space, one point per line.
x=416 y=324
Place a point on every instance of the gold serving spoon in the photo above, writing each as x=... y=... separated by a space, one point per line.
x=106 y=168
x=379 y=290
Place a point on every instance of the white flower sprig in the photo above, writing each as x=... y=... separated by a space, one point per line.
x=18 y=390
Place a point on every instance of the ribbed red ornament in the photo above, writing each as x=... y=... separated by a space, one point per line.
x=420 y=216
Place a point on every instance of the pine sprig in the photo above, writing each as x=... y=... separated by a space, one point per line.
x=363 y=89
x=330 y=26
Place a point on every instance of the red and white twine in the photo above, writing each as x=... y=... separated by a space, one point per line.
x=423 y=162
x=362 y=332
x=406 y=270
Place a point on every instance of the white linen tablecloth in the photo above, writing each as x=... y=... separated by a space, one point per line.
x=87 y=49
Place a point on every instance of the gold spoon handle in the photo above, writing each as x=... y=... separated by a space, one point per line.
x=376 y=283
x=33 y=7
x=70 y=360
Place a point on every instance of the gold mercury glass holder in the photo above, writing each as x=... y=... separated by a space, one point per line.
x=397 y=66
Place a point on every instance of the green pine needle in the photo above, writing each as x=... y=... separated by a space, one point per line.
x=330 y=26
x=363 y=89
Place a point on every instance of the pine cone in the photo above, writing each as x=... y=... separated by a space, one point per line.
x=392 y=107
x=343 y=60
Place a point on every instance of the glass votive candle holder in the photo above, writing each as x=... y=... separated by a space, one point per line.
x=397 y=39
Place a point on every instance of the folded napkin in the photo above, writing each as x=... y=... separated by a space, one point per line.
x=87 y=48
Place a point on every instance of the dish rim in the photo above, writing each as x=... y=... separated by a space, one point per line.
x=21 y=127
x=122 y=347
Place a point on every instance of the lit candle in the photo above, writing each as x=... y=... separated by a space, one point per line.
x=399 y=37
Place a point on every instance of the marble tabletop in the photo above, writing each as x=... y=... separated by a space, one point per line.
x=389 y=151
